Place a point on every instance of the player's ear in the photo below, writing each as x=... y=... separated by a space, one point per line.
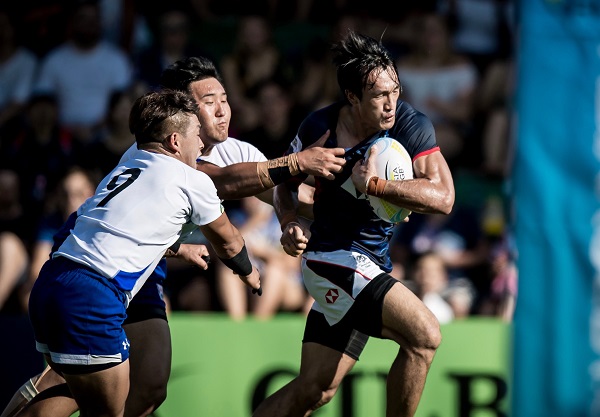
x=351 y=97
x=173 y=142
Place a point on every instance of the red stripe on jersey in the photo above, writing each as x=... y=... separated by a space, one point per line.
x=427 y=152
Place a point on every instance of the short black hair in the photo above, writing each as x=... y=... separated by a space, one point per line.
x=356 y=56
x=157 y=114
x=180 y=74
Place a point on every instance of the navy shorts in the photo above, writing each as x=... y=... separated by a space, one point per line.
x=149 y=302
x=364 y=319
x=77 y=316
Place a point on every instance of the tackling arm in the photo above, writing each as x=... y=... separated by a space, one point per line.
x=229 y=246
x=247 y=179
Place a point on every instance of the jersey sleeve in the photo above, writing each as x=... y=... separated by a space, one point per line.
x=422 y=138
x=206 y=204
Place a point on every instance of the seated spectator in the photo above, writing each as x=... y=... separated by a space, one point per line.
x=83 y=72
x=483 y=28
x=13 y=215
x=14 y=239
x=172 y=44
x=493 y=110
x=283 y=289
x=18 y=66
x=278 y=119
x=502 y=297
x=440 y=83
x=430 y=280
x=75 y=187
x=14 y=261
x=457 y=238
x=40 y=152
x=101 y=156
x=255 y=57
x=460 y=295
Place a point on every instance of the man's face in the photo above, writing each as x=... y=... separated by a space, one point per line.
x=378 y=105
x=191 y=142
x=213 y=111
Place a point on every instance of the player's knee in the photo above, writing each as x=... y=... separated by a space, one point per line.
x=433 y=335
x=430 y=338
x=156 y=396
x=146 y=402
x=318 y=394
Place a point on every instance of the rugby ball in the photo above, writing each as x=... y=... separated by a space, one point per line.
x=392 y=163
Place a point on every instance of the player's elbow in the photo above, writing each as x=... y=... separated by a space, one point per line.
x=447 y=204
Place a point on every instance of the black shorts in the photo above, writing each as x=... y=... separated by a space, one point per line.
x=364 y=319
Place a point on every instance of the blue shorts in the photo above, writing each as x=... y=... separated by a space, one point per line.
x=77 y=315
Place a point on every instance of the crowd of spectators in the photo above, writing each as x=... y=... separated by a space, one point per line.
x=70 y=70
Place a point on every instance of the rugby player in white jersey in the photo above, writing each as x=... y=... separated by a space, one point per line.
x=238 y=170
x=79 y=300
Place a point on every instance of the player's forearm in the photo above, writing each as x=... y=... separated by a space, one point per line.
x=251 y=178
x=235 y=181
x=285 y=202
x=420 y=195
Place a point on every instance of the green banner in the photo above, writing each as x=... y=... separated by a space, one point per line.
x=223 y=368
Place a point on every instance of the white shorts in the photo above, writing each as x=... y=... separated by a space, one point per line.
x=334 y=280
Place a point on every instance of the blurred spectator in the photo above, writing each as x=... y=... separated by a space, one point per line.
x=483 y=28
x=278 y=117
x=503 y=292
x=283 y=289
x=15 y=235
x=430 y=280
x=74 y=188
x=440 y=83
x=18 y=66
x=13 y=216
x=13 y=265
x=124 y=26
x=255 y=57
x=83 y=72
x=41 y=23
x=493 y=116
x=457 y=238
x=173 y=44
x=460 y=295
x=40 y=152
x=101 y=156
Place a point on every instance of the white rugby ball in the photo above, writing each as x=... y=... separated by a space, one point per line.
x=392 y=163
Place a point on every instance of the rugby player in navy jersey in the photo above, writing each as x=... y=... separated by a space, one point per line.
x=345 y=262
x=238 y=170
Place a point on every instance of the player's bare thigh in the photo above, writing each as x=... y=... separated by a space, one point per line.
x=324 y=365
x=150 y=363
x=406 y=319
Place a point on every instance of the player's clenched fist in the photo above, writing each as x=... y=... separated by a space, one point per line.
x=294 y=238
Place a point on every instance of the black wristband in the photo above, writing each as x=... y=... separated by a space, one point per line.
x=240 y=264
x=280 y=174
x=175 y=247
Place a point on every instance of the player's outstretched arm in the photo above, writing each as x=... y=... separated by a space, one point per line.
x=229 y=246
x=247 y=179
x=431 y=191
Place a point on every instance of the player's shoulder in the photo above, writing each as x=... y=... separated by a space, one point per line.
x=413 y=129
x=317 y=123
x=409 y=117
x=232 y=151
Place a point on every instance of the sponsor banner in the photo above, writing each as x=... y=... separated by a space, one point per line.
x=223 y=368
x=555 y=186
